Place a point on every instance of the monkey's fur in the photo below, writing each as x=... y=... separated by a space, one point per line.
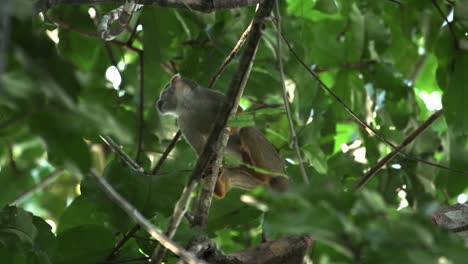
x=196 y=109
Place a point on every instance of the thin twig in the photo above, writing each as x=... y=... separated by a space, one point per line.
x=292 y=132
x=123 y=241
x=400 y=147
x=144 y=223
x=124 y=156
x=38 y=187
x=133 y=34
x=347 y=66
x=418 y=68
x=360 y=121
x=450 y=25
x=11 y=156
x=166 y=153
x=231 y=56
x=141 y=109
x=5 y=34
x=66 y=26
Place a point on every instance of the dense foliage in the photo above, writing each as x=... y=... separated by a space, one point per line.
x=392 y=62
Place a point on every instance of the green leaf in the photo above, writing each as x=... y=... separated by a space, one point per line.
x=455 y=93
x=231 y=212
x=84 y=244
x=25 y=238
x=64 y=142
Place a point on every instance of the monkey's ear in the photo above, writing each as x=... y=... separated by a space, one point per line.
x=176 y=79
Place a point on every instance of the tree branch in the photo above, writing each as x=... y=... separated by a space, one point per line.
x=400 y=147
x=166 y=153
x=289 y=250
x=141 y=109
x=293 y=136
x=66 y=26
x=144 y=223
x=4 y=34
x=231 y=56
x=124 y=156
x=453 y=218
x=124 y=240
x=38 y=187
x=113 y=23
x=449 y=24
x=197 y=5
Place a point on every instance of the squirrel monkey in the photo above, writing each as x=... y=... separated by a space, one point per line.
x=196 y=109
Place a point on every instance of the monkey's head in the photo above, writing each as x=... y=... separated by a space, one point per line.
x=174 y=94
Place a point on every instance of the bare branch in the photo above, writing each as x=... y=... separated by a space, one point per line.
x=289 y=250
x=231 y=56
x=124 y=156
x=123 y=241
x=166 y=153
x=113 y=23
x=198 y=5
x=144 y=223
x=141 y=109
x=293 y=135
x=449 y=24
x=4 y=33
x=38 y=187
x=400 y=147
x=454 y=218
x=66 y=26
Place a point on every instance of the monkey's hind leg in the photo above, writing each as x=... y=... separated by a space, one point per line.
x=234 y=178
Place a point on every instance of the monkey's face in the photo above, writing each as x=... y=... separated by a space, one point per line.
x=175 y=95
x=167 y=103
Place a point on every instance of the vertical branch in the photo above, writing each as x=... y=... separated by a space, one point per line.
x=4 y=34
x=133 y=34
x=12 y=158
x=293 y=135
x=141 y=120
x=450 y=25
